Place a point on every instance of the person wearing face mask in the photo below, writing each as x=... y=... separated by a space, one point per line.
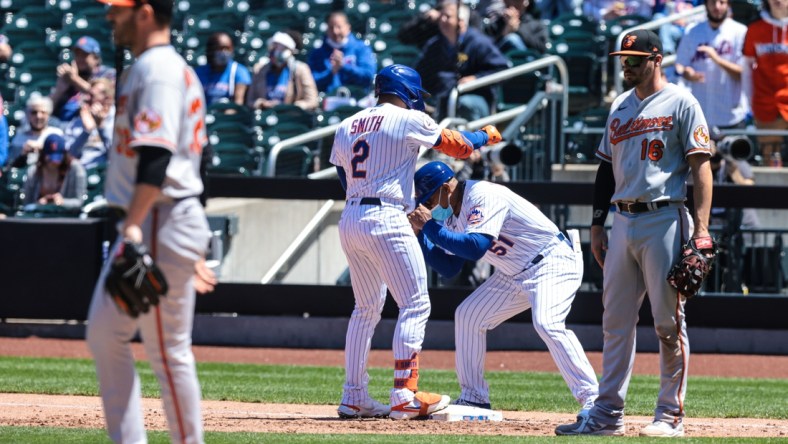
x=222 y=78
x=56 y=178
x=536 y=266
x=280 y=78
x=343 y=60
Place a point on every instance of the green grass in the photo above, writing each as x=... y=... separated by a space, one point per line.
x=707 y=397
x=48 y=435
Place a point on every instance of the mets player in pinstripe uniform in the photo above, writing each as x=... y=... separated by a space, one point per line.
x=375 y=152
x=656 y=134
x=153 y=179
x=536 y=267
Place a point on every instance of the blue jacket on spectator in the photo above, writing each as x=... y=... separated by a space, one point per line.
x=3 y=138
x=441 y=64
x=358 y=70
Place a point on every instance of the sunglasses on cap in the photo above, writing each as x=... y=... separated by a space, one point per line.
x=635 y=61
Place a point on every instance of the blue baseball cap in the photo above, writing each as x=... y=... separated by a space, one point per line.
x=54 y=147
x=429 y=178
x=88 y=44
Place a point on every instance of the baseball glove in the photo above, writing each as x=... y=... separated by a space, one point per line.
x=134 y=281
x=697 y=257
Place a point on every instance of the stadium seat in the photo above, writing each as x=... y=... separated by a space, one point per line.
x=234 y=132
x=11 y=183
x=580 y=148
x=293 y=161
x=95 y=178
x=275 y=18
x=397 y=53
x=519 y=90
x=233 y=163
x=585 y=84
x=571 y=22
x=38 y=17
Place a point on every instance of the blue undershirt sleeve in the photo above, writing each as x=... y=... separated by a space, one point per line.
x=470 y=246
x=342 y=177
x=445 y=264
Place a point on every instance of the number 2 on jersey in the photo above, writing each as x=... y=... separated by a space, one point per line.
x=653 y=149
x=361 y=148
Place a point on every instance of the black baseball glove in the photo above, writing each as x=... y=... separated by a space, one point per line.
x=134 y=281
x=697 y=257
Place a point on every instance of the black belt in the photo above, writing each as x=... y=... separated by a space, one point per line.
x=640 y=207
x=560 y=237
x=370 y=201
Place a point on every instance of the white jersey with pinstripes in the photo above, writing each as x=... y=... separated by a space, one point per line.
x=161 y=104
x=648 y=141
x=534 y=270
x=520 y=230
x=378 y=148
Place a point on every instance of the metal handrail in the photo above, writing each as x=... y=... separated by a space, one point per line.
x=617 y=80
x=506 y=74
x=282 y=265
x=270 y=167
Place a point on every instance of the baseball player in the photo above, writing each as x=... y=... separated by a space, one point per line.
x=536 y=266
x=375 y=153
x=656 y=133
x=153 y=179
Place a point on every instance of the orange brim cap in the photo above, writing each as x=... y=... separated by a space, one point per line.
x=632 y=53
x=125 y=3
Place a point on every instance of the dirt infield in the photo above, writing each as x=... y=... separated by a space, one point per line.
x=85 y=412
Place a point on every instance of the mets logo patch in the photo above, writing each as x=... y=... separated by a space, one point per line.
x=476 y=216
x=629 y=40
x=701 y=135
x=147 y=121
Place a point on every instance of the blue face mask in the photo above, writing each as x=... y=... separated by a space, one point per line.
x=440 y=213
x=222 y=58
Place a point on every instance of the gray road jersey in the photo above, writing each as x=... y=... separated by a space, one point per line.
x=161 y=104
x=648 y=142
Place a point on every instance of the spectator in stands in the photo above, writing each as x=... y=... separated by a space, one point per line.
x=709 y=60
x=671 y=33
x=343 y=60
x=5 y=49
x=515 y=24
x=459 y=55
x=73 y=79
x=280 y=78
x=28 y=142
x=765 y=68
x=89 y=135
x=606 y=10
x=3 y=137
x=56 y=178
x=418 y=30
x=222 y=78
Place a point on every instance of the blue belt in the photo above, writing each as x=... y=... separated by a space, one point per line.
x=560 y=237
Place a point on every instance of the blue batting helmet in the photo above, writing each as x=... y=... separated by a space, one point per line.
x=429 y=178
x=404 y=82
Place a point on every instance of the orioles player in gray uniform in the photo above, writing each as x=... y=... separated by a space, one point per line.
x=375 y=153
x=536 y=267
x=153 y=176
x=656 y=133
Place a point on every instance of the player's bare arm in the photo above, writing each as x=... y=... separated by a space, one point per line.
x=142 y=201
x=703 y=181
